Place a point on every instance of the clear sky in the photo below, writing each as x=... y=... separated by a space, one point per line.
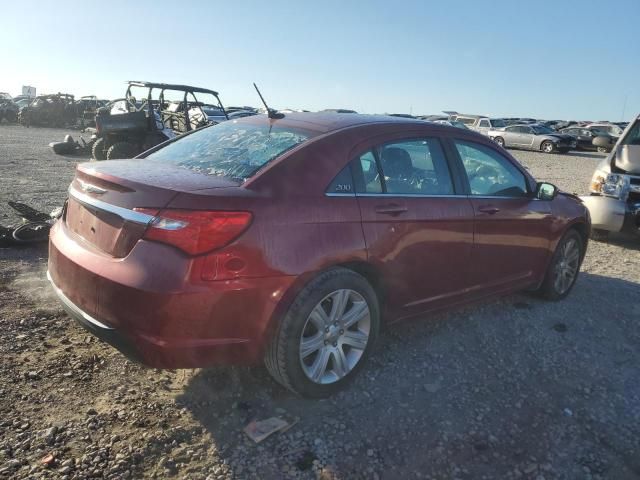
x=547 y=59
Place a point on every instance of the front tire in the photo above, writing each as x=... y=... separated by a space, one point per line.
x=547 y=147
x=564 y=267
x=99 y=150
x=326 y=335
x=499 y=141
x=602 y=150
x=120 y=150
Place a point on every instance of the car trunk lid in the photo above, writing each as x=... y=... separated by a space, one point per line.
x=104 y=198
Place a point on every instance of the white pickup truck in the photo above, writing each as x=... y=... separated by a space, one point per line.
x=614 y=200
x=479 y=123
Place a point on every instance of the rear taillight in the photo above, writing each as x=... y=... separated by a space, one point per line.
x=195 y=231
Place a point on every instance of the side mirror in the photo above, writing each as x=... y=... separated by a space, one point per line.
x=546 y=191
x=601 y=141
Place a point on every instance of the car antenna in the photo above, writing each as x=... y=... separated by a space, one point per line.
x=271 y=113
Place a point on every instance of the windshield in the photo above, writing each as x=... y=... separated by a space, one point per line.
x=230 y=149
x=542 y=130
x=633 y=136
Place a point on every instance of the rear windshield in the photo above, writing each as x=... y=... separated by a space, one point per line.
x=230 y=149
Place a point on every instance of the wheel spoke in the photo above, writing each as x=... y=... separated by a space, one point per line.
x=340 y=364
x=572 y=256
x=355 y=339
x=319 y=317
x=340 y=299
x=356 y=313
x=319 y=366
x=311 y=345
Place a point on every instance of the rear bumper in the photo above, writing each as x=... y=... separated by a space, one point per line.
x=99 y=329
x=149 y=307
x=612 y=214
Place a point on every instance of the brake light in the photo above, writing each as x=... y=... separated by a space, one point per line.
x=195 y=231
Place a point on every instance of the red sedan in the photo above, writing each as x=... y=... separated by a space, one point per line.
x=289 y=240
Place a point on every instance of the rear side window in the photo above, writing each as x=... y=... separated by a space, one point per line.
x=484 y=123
x=230 y=149
x=343 y=183
x=365 y=172
x=415 y=167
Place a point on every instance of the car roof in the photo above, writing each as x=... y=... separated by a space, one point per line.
x=325 y=122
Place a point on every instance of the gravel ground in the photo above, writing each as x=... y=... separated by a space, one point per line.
x=514 y=388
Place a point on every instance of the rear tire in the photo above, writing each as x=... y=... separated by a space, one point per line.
x=121 y=150
x=547 y=147
x=99 y=150
x=326 y=335
x=564 y=267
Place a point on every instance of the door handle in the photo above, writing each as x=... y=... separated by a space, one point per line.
x=491 y=210
x=392 y=209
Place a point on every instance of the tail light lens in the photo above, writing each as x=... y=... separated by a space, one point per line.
x=195 y=231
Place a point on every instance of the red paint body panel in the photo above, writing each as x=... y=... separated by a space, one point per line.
x=179 y=311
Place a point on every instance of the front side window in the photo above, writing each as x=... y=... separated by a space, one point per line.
x=230 y=149
x=415 y=167
x=489 y=173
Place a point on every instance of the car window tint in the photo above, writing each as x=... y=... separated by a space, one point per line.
x=489 y=173
x=365 y=172
x=343 y=183
x=415 y=167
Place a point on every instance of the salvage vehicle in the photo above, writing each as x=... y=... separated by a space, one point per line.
x=289 y=238
x=128 y=126
x=8 y=108
x=610 y=128
x=55 y=110
x=87 y=108
x=533 y=137
x=614 y=199
x=479 y=123
x=585 y=136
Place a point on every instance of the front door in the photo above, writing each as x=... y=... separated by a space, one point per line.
x=418 y=231
x=511 y=240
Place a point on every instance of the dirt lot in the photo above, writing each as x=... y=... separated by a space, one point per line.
x=515 y=388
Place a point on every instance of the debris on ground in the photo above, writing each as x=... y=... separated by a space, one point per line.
x=259 y=430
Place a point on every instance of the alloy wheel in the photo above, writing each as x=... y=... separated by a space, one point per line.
x=335 y=336
x=548 y=147
x=567 y=266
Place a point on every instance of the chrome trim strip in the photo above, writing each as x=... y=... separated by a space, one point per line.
x=125 y=213
x=74 y=308
x=407 y=195
x=419 y=195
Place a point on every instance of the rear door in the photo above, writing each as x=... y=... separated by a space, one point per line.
x=418 y=228
x=511 y=239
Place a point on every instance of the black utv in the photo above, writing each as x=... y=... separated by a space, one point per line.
x=129 y=126
x=56 y=110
